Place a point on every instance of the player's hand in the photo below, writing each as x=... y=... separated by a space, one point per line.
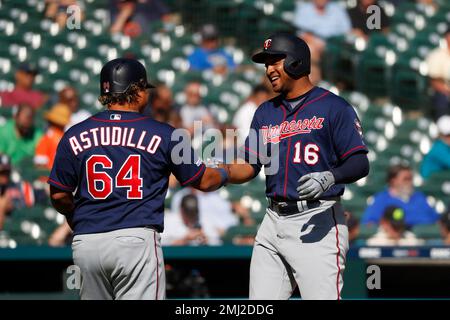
x=213 y=163
x=196 y=235
x=313 y=185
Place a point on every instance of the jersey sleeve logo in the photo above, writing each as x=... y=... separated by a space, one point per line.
x=106 y=86
x=358 y=127
x=267 y=44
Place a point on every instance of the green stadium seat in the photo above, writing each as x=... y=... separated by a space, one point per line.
x=438 y=185
x=339 y=66
x=407 y=87
x=427 y=231
x=372 y=75
x=239 y=231
x=356 y=205
x=6 y=113
x=367 y=231
x=27 y=169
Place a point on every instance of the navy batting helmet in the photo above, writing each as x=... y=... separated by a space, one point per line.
x=297 y=56
x=117 y=75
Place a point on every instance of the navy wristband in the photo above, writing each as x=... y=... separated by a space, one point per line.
x=224 y=176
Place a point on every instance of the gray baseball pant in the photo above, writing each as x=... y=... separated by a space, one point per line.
x=306 y=249
x=125 y=264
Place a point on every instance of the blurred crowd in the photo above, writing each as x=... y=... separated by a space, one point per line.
x=196 y=218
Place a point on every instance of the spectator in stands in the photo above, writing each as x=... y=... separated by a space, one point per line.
x=16 y=195
x=184 y=227
x=244 y=240
x=359 y=19
x=209 y=55
x=58 y=117
x=319 y=20
x=214 y=210
x=6 y=205
x=134 y=17
x=62 y=236
x=400 y=193
x=353 y=227
x=193 y=109
x=438 y=62
x=18 y=136
x=244 y=116
x=427 y=4
x=393 y=230
x=438 y=159
x=162 y=106
x=444 y=225
x=23 y=92
x=69 y=97
x=58 y=10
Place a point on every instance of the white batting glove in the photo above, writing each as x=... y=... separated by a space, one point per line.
x=313 y=185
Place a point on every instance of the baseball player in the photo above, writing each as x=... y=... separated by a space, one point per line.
x=110 y=178
x=317 y=137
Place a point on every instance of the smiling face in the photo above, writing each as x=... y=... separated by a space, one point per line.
x=280 y=80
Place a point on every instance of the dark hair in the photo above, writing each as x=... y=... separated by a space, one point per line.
x=130 y=96
x=156 y=93
x=189 y=207
x=394 y=170
x=260 y=88
x=396 y=217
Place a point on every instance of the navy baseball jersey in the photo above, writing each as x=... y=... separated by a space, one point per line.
x=119 y=164
x=315 y=135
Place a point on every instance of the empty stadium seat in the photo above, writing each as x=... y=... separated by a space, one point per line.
x=427 y=231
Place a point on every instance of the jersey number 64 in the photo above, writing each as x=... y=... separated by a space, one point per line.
x=100 y=184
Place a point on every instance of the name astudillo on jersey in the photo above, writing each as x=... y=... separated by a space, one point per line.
x=274 y=134
x=113 y=136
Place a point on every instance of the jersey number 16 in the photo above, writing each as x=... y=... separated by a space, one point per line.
x=310 y=153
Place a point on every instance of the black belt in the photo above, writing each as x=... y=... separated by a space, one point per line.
x=287 y=208
x=154 y=227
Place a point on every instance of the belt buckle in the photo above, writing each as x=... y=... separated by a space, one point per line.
x=282 y=204
x=280 y=207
